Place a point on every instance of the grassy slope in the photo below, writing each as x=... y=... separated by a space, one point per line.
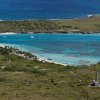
x=77 y=25
x=22 y=80
x=86 y=25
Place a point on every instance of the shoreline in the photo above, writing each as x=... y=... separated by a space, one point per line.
x=55 y=19
x=8 y=33
x=43 y=60
x=80 y=33
x=88 y=25
x=38 y=58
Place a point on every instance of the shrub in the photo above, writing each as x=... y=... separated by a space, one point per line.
x=2 y=79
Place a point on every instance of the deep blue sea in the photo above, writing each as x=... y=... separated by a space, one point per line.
x=47 y=9
x=67 y=49
x=72 y=49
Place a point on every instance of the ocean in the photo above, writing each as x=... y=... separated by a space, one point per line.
x=72 y=49
x=63 y=48
x=47 y=9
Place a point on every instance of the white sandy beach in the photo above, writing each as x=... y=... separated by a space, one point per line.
x=39 y=58
x=45 y=60
x=8 y=33
x=1 y=45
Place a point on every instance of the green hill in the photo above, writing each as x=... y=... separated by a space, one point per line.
x=29 y=79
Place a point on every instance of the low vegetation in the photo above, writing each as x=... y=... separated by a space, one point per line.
x=86 y=25
x=29 y=79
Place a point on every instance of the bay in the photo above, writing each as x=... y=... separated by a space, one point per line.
x=72 y=49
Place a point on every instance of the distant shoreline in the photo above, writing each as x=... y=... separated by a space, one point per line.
x=88 y=25
x=82 y=17
x=12 y=33
x=8 y=33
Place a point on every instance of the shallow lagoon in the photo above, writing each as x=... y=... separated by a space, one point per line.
x=73 y=49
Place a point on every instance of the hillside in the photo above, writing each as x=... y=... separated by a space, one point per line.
x=28 y=79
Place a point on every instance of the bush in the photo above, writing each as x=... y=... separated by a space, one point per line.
x=17 y=68
x=24 y=69
x=2 y=79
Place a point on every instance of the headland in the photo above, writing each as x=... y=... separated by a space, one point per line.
x=87 y=25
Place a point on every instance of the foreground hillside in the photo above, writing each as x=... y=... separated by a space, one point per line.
x=85 y=25
x=26 y=78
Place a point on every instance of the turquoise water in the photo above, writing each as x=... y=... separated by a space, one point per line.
x=72 y=49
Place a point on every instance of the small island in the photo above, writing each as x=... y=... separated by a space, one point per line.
x=83 y=25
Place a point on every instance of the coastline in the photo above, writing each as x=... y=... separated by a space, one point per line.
x=8 y=33
x=45 y=60
x=88 y=25
x=54 y=19
x=80 y=33
x=41 y=57
x=38 y=57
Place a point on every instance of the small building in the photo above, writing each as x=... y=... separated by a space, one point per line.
x=95 y=82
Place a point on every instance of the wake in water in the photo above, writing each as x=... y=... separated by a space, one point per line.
x=32 y=37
